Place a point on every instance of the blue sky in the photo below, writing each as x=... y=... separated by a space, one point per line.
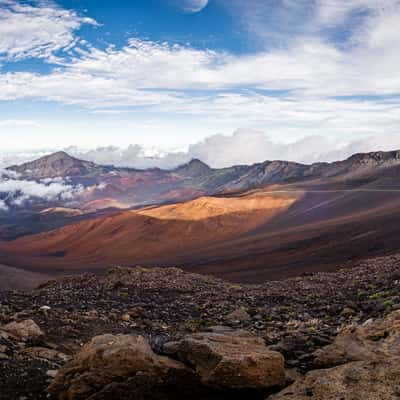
x=216 y=75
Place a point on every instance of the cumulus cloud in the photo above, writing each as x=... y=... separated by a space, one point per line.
x=250 y=146
x=308 y=65
x=309 y=85
x=37 y=29
x=15 y=192
x=134 y=156
x=244 y=146
x=9 y=158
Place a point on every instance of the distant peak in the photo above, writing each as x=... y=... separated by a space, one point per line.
x=59 y=164
x=59 y=155
x=194 y=168
x=196 y=161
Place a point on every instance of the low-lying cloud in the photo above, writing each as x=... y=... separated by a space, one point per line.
x=244 y=146
x=15 y=192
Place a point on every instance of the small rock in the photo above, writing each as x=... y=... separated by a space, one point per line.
x=126 y=317
x=237 y=316
x=45 y=309
x=347 y=311
x=24 y=330
x=45 y=354
x=137 y=312
x=259 y=325
x=52 y=373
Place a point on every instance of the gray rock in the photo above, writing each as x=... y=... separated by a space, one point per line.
x=24 y=330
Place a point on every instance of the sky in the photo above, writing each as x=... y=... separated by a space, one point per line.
x=227 y=81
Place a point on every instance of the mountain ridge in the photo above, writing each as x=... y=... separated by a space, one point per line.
x=103 y=186
x=197 y=167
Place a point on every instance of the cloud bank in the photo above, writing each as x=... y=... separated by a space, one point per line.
x=244 y=146
x=15 y=192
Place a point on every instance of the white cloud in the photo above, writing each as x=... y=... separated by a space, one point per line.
x=134 y=156
x=244 y=146
x=248 y=146
x=78 y=88
x=36 y=30
x=309 y=71
x=8 y=158
x=15 y=191
x=3 y=206
x=307 y=66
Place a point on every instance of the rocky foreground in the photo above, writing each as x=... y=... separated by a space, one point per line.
x=166 y=334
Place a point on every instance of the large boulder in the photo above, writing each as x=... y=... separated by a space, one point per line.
x=230 y=360
x=122 y=367
x=373 y=340
x=358 y=380
x=23 y=330
x=367 y=365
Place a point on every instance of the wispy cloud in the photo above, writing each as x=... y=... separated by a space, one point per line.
x=303 y=81
x=308 y=65
x=37 y=29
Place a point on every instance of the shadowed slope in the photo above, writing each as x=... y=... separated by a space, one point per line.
x=20 y=279
x=320 y=232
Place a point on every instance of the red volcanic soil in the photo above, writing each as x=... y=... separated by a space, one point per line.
x=321 y=232
x=103 y=203
x=261 y=235
x=148 y=235
x=181 y=194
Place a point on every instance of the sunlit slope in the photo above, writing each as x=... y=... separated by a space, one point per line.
x=154 y=234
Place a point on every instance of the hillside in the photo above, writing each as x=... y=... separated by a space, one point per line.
x=42 y=332
x=294 y=219
x=152 y=234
